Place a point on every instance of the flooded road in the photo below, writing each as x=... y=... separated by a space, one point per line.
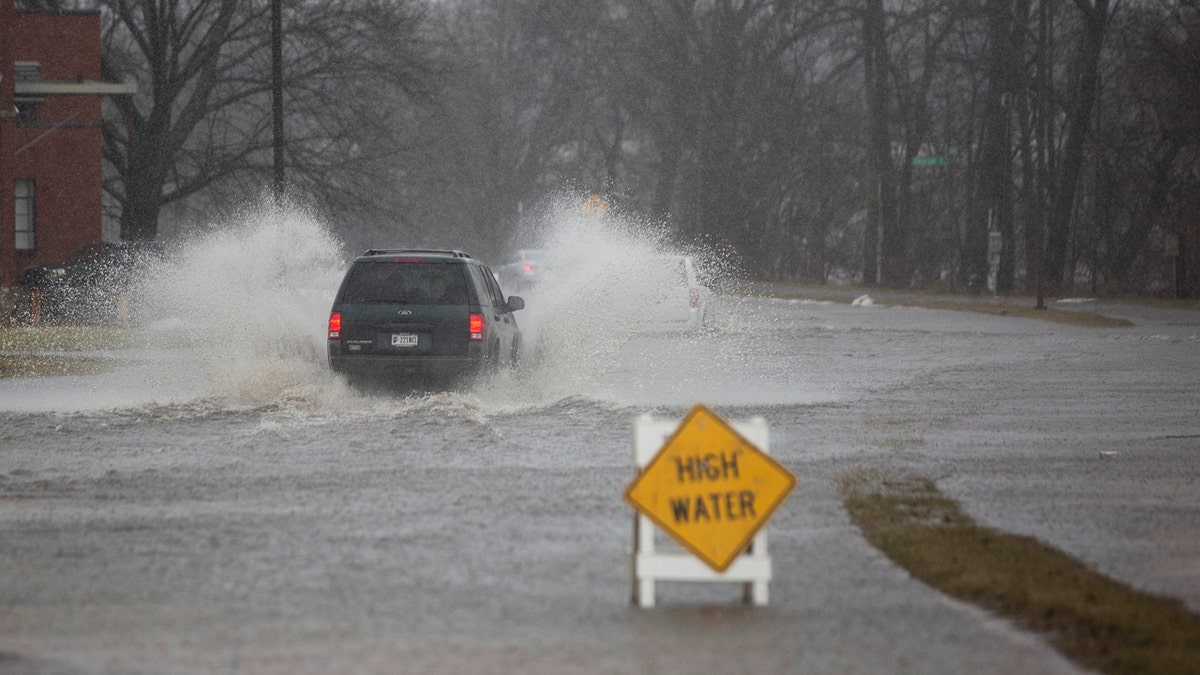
x=483 y=531
x=226 y=506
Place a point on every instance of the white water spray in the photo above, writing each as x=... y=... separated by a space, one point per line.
x=240 y=315
x=251 y=300
x=613 y=290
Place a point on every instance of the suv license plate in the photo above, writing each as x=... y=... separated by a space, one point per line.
x=405 y=339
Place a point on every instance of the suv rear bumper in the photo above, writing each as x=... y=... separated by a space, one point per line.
x=391 y=366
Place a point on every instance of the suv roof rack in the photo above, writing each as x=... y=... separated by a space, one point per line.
x=437 y=251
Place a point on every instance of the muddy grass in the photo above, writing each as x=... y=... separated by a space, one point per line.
x=1095 y=621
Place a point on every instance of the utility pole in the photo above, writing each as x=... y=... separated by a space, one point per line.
x=877 y=229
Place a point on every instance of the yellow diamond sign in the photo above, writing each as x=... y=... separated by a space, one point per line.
x=710 y=489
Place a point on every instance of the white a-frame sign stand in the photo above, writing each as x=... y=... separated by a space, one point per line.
x=751 y=568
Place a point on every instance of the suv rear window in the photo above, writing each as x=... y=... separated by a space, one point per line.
x=406 y=283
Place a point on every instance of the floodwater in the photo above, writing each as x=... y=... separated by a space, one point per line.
x=220 y=503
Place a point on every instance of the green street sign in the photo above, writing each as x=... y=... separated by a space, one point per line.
x=934 y=160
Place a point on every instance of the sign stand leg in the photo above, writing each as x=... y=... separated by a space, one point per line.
x=633 y=587
x=644 y=544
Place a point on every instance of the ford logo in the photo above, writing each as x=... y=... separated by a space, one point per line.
x=405 y=312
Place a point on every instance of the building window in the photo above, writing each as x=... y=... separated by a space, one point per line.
x=25 y=215
x=27 y=105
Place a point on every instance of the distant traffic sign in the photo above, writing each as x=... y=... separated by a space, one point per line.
x=710 y=489
x=595 y=207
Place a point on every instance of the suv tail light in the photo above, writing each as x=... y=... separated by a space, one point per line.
x=475 y=327
x=335 y=325
x=694 y=297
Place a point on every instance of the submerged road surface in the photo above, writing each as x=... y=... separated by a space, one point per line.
x=160 y=519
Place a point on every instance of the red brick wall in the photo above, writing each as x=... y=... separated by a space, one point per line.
x=63 y=160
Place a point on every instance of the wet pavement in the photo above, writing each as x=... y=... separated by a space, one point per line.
x=157 y=520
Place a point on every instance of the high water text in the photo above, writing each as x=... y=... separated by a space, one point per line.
x=715 y=505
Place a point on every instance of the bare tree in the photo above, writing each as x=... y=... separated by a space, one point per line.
x=782 y=130
x=916 y=67
x=726 y=112
x=1146 y=177
x=512 y=118
x=201 y=123
x=990 y=209
x=185 y=56
x=1094 y=16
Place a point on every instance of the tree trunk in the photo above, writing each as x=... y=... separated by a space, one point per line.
x=144 y=179
x=1095 y=20
x=990 y=208
x=1045 y=158
x=1014 y=69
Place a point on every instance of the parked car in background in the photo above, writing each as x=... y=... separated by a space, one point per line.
x=418 y=315
x=93 y=285
x=526 y=269
x=682 y=299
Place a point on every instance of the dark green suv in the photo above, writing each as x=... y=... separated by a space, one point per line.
x=408 y=314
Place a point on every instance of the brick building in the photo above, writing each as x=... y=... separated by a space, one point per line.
x=50 y=133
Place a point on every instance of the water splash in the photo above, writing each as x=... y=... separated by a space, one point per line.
x=252 y=298
x=240 y=312
x=613 y=282
x=251 y=301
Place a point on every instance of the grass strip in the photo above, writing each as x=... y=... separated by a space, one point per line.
x=1069 y=317
x=1097 y=622
x=1191 y=304
x=992 y=306
x=48 y=365
x=67 y=338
